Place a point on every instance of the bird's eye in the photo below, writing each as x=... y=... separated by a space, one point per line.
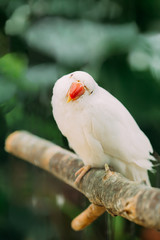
x=91 y=92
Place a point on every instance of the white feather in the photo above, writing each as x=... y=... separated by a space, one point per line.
x=100 y=129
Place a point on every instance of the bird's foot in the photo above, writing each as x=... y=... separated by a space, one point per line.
x=143 y=182
x=107 y=167
x=81 y=172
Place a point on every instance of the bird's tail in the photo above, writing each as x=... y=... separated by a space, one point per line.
x=136 y=173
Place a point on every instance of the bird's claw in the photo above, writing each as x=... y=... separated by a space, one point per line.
x=106 y=167
x=81 y=172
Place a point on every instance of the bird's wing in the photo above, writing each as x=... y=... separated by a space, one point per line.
x=114 y=127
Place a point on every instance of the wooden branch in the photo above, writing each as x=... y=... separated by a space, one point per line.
x=87 y=217
x=131 y=200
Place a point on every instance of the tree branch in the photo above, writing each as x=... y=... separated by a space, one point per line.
x=119 y=196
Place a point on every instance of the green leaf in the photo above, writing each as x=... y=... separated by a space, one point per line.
x=44 y=75
x=13 y=65
x=8 y=105
x=79 y=42
x=13 y=68
x=92 y=9
x=146 y=55
x=19 y=21
x=7 y=91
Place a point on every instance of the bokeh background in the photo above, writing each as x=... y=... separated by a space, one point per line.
x=118 y=43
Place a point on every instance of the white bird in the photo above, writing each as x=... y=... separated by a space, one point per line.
x=99 y=128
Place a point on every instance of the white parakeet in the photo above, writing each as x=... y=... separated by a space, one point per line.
x=99 y=128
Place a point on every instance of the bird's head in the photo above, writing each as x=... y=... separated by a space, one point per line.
x=75 y=86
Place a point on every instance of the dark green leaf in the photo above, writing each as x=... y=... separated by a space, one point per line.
x=7 y=91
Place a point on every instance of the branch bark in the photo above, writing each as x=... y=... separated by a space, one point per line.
x=87 y=217
x=119 y=196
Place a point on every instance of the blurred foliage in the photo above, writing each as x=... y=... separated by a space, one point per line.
x=118 y=42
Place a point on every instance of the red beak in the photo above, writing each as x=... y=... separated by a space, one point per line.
x=76 y=90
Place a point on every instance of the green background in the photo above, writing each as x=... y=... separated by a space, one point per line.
x=118 y=43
